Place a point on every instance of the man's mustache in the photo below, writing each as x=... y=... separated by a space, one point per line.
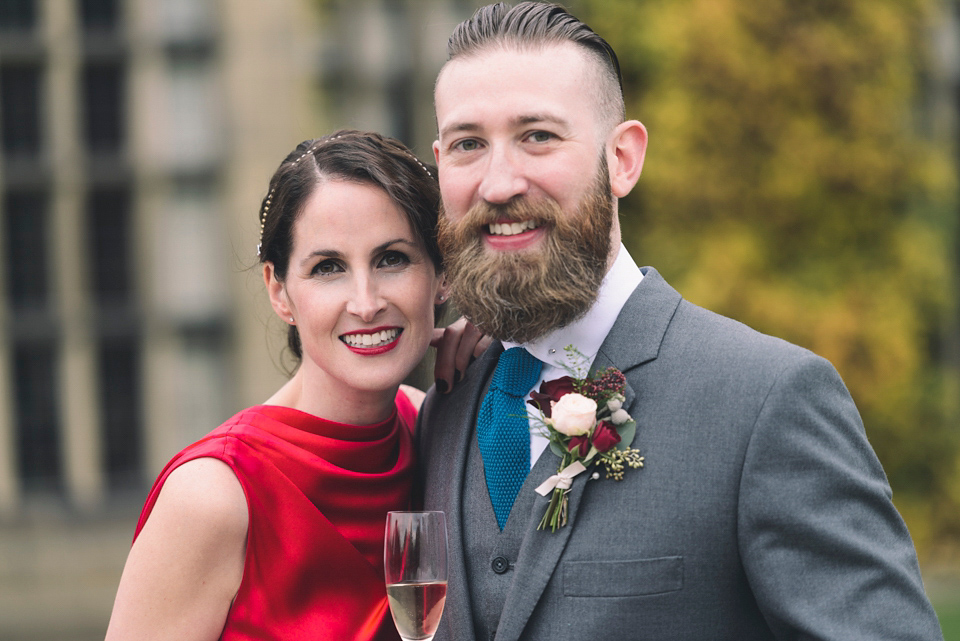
x=542 y=212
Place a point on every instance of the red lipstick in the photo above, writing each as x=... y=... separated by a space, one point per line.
x=372 y=351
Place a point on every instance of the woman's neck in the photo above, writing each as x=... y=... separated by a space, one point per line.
x=350 y=406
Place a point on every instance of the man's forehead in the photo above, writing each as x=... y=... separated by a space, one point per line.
x=547 y=55
x=529 y=73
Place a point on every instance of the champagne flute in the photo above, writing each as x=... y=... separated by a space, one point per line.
x=415 y=565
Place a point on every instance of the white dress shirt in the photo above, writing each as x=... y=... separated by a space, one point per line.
x=586 y=334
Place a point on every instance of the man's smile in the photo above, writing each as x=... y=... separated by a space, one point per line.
x=510 y=229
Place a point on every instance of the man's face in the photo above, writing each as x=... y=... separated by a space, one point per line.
x=528 y=213
x=517 y=124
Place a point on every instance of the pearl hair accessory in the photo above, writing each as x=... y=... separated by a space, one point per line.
x=269 y=200
x=422 y=166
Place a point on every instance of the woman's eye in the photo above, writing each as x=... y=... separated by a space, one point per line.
x=326 y=267
x=393 y=259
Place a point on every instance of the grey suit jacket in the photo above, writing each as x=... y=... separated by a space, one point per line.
x=761 y=512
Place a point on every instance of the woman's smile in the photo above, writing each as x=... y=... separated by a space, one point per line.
x=372 y=342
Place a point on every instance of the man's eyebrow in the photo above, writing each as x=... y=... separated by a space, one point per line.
x=458 y=128
x=532 y=119
x=518 y=121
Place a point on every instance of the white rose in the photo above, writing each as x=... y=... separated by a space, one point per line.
x=620 y=417
x=573 y=414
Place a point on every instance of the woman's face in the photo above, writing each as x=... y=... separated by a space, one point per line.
x=360 y=288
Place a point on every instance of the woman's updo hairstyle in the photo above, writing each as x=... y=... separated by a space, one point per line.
x=354 y=156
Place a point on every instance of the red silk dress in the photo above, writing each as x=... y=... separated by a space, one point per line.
x=317 y=494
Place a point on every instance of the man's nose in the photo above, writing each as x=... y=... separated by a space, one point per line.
x=504 y=178
x=366 y=301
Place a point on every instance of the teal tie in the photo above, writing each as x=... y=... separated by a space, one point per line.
x=503 y=430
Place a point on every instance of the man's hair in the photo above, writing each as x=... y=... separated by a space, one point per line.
x=536 y=24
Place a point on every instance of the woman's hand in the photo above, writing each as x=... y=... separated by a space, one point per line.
x=457 y=345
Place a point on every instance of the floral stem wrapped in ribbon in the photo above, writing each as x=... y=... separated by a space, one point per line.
x=584 y=420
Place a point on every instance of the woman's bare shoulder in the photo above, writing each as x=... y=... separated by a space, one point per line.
x=187 y=563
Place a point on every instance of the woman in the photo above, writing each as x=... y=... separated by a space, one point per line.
x=271 y=527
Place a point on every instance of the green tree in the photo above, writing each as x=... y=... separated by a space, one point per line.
x=789 y=185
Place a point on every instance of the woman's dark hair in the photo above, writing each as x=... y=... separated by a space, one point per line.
x=355 y=156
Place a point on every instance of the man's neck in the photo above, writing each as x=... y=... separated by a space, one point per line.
x=588 y=332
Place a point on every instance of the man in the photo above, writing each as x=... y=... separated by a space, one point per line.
x=761 y=511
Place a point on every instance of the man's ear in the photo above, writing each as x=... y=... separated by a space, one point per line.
x=277 y=293
x=628 y=146
x=436 y=152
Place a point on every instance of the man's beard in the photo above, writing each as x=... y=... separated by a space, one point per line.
x=522 y=295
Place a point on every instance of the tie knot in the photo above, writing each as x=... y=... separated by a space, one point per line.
x=517 y=372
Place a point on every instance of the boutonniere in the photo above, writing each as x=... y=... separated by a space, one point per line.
x=583 y=418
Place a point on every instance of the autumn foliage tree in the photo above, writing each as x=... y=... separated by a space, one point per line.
x=793 y=182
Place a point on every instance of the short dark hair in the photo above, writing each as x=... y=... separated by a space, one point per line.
x=354 y=156
x=532 y=24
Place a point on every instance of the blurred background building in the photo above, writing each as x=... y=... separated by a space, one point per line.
x=136 y=141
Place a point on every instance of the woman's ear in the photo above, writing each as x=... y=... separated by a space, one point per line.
x=277 y=293
x=627 y=151
x=443 y=291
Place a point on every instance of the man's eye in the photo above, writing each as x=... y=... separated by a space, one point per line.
x=541 y=136
x=467 y=145
x=393 y=259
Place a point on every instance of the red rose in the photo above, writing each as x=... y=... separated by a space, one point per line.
x=605 y=436
x=550 y=391
x=582 y=442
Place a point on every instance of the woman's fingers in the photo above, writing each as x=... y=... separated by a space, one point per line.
x=457 y=345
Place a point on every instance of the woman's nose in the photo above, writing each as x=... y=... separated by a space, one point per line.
x=366 y=301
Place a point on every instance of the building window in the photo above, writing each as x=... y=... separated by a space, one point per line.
x=18 y=15
x=109 y=240
x=99 y=15
x=25 y=236
x=32 y=335
x=109 y=237
x=194 y=138
x=119 y=371
x=38 y=434
x=187 y=20
x=103 y=107
x=20 y=109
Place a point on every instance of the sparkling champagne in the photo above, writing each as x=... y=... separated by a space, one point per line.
x=416 y=608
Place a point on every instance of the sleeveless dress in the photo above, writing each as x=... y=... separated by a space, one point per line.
x=317 y=495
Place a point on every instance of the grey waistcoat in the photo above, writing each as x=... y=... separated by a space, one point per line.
x=489 y=553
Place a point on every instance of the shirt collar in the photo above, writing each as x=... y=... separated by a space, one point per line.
x=588 y=332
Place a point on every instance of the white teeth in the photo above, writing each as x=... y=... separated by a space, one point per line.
x=511 y=229
x=375 y=339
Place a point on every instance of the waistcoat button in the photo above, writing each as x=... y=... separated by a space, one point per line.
x=500 y=565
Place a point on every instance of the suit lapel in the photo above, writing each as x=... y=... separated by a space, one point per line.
x=641 y=325
x=634 y=340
